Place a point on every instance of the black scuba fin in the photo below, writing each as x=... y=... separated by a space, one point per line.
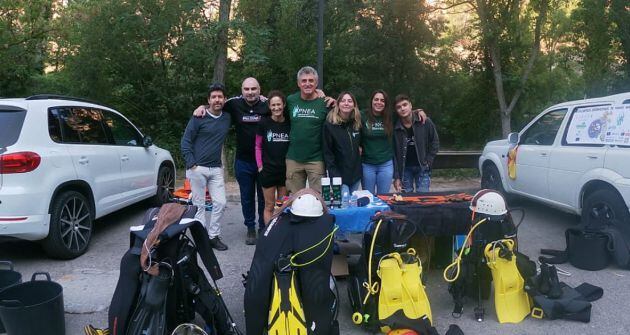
x=149 y=316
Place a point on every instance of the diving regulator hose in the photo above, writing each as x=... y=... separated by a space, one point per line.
x=372 y=288
x=457 y=263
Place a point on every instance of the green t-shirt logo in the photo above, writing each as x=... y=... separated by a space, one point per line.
x=304 y=113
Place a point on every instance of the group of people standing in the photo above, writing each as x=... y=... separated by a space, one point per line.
x=285 y=142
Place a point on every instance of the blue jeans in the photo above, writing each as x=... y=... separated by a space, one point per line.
x=247 y=178
x=378 y=175
x=420 y=176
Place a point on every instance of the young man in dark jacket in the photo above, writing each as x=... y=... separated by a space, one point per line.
x=416 y=145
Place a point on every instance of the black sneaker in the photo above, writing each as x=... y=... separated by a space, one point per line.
x=217 y=244
x=251 y=236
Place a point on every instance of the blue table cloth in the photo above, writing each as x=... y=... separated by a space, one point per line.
x=356 y=219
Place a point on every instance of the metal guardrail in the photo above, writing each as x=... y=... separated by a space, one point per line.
x=457 y=160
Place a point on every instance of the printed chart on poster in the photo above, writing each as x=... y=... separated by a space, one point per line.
x=600 y=125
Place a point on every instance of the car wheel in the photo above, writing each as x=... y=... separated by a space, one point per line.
x=165 y=186
x=605 y=207
x=70 y=229
x=491 y=179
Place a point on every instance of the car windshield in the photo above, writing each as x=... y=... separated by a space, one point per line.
x=10 y=126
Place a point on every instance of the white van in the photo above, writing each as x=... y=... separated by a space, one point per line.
x=574 y=156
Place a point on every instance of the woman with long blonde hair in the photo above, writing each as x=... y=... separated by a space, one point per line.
x=341 y=142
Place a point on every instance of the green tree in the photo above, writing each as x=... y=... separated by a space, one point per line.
x=620 y=16
x=24 y=28
x=150 y=59
x=594 y=38
x=511 y=51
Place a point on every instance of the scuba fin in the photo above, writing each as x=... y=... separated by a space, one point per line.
x=402 y=295
x=286 y=314
x=149 y=317
x=91 y=330
x=511 y=302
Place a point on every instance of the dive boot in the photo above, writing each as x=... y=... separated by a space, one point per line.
x=286 y=314
x=511 y=302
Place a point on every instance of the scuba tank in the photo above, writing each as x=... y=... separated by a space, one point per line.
x=188 y=329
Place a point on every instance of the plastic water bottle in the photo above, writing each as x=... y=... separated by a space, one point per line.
x=345 y=199
x=353 y=200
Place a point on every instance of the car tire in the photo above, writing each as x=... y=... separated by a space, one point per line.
x=71 y=225
x=491 y=178
x=165 y=186
x=605 y=207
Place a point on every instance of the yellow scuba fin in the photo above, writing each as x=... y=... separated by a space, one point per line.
x=412 y=285
x=511 y=302
x=401 y=291
x=286 y=315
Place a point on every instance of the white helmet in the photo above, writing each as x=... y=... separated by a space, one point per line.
x=307 y=205
x=489 y=202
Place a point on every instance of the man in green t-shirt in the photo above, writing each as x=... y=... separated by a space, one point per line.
x=307 y=111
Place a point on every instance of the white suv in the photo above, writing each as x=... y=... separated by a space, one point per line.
x=574 y=156
x=65 y=162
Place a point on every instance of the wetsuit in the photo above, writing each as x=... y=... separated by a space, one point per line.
x=291 y=234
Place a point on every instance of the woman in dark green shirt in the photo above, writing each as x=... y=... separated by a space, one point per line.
x=376 y=140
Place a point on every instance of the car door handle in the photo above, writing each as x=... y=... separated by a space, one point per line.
x=592 y=157
x=83 y=160
x=124 y=158
x=543 y=154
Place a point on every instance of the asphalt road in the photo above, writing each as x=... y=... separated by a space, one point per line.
x=89 y=281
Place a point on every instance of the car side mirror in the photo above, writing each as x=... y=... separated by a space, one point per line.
x=513 y=138
x=147 y=141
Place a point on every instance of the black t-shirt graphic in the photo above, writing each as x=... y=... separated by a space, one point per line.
x=412 y=156
x=275 y=143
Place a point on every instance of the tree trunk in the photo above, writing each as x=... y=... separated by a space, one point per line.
x=492 y=46
x=221 y=48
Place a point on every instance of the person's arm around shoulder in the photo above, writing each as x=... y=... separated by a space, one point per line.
x=200 y=111
x=187 y=143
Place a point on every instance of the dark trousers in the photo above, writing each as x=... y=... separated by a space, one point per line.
x=248 y=184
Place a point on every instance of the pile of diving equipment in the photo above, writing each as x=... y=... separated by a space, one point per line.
x=385 y=287
x=161 y=285
x=489 y=257
x=289 y=289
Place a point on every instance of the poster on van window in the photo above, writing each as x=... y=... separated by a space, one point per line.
x=600 y=125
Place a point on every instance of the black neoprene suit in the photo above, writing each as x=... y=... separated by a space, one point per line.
x=291 y=234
